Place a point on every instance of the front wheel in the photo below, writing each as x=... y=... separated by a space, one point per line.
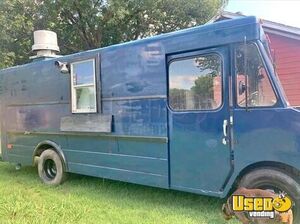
x=50 y=168
x=278 y=182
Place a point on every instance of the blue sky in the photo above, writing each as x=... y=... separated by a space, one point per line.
x=281 y=11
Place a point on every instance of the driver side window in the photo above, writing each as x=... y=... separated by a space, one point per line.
x=253 y=85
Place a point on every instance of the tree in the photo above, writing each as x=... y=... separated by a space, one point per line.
x=16 y=27
x=83 y=25
x=177 y=98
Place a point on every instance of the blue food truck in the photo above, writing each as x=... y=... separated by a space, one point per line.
x=199 y=110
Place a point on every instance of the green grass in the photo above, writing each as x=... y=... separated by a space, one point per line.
x=24 y=199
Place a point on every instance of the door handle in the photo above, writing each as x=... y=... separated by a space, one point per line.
x=225 y=125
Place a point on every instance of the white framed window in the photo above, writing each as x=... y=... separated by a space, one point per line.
x=83 y=85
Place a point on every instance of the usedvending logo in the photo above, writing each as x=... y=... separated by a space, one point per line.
x=261 y=207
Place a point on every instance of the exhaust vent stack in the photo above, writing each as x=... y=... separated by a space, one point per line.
x=45 y=44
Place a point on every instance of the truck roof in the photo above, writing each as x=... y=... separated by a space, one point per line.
x=207 y=35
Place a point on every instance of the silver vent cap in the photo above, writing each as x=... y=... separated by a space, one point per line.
x=45 y=44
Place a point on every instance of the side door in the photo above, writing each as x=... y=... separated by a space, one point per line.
x=261 y=125
x=198 y=109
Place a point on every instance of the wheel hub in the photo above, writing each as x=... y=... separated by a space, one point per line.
x=50 y=169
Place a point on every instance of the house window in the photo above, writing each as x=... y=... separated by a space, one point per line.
x=196 y=83
x=83 y=87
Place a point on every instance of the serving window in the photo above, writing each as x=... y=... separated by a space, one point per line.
x=83 y=84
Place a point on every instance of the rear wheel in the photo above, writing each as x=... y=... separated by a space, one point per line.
x=277 y=181
x=50 y=168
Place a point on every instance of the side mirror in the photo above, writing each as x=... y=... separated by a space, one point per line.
x=242 y=87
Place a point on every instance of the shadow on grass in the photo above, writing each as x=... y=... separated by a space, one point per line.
x=95 y=188
x=152 y=195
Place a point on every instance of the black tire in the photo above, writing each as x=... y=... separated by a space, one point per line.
x=51 y=168
x=276 y=180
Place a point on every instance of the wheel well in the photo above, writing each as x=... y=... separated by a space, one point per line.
x=41 y=147
x=287 y=169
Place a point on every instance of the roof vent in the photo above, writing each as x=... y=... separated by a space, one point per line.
x=45 y=44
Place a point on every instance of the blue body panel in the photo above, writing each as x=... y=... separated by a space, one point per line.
x=149 y=144
x=266 y=135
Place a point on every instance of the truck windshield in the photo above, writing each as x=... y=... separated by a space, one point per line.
x=267 y=47
x=254 y=88
x=266 y=44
